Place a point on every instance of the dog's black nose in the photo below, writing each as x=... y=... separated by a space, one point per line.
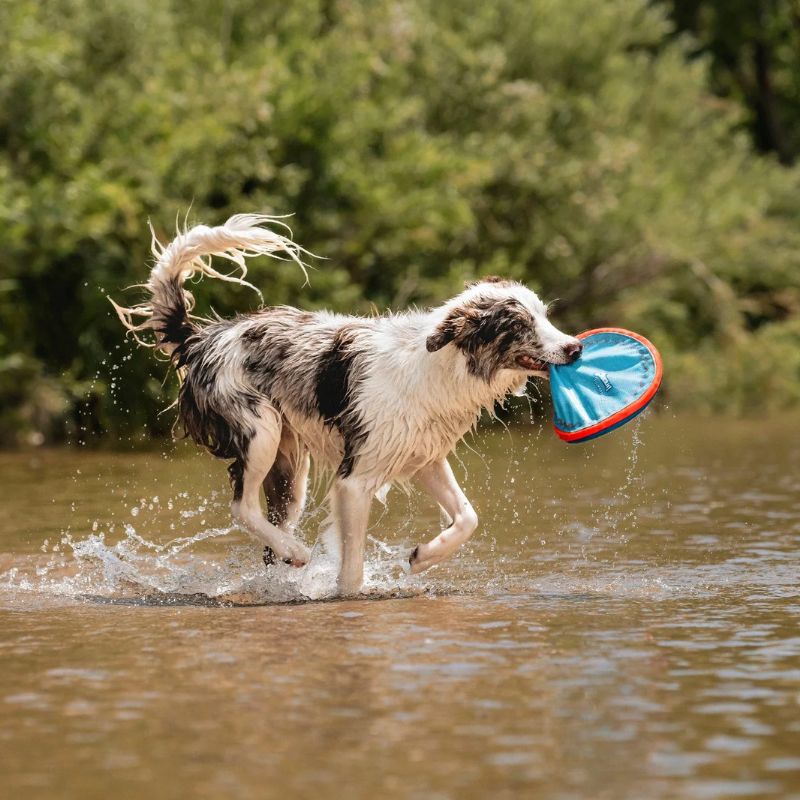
x=573 y=351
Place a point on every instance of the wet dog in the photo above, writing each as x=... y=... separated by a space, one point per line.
x=377 y=399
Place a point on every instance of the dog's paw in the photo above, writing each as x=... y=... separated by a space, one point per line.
x=408 y=563
x=297 y=556
x=421 y=559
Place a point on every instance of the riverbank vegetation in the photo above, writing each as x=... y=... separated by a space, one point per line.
x=612 y=155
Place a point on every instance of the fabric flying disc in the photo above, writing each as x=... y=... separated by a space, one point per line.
x=615 y=378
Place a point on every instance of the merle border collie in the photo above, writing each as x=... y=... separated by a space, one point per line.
x=376 y=400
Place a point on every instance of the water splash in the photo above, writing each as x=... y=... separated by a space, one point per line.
x=106 y=567
x=621 y=515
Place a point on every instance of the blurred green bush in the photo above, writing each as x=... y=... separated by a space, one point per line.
x=572 y=145
x=754 y=50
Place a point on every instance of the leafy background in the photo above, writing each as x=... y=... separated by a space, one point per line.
x=633 y=159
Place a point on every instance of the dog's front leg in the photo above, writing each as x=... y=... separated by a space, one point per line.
x=440 y=483
x=351 y=502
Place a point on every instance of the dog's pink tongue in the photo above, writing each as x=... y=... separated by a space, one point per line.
x=531 y=363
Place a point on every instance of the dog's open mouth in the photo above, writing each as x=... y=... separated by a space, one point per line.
x=530 y=363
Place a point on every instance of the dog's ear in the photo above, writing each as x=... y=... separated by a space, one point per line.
x=472 y=326
x=444 y=334
x=450 y=328
x=456 y=326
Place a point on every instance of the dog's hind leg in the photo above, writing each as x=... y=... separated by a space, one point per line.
x=255 y=465
x=286 y=485
x=440 y=483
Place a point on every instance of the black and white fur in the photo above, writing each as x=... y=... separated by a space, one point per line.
x=378 y=399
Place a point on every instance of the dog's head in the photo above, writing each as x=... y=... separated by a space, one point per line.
x=499 y=324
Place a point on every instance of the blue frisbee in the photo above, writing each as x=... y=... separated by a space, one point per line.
x=615 y=378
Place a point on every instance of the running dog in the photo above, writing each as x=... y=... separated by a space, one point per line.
x=376 y=399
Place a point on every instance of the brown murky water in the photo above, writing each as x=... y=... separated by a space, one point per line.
x=625 y=625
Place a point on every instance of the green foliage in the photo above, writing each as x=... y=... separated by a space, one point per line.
x=574 y=146
x=754 y=47
x=756 y=373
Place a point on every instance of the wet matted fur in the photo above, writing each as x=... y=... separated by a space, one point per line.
x=376 y=399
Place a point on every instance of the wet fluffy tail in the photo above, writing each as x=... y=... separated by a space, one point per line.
x=168 y=311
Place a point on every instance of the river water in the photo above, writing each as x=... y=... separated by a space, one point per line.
x=625 y=624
